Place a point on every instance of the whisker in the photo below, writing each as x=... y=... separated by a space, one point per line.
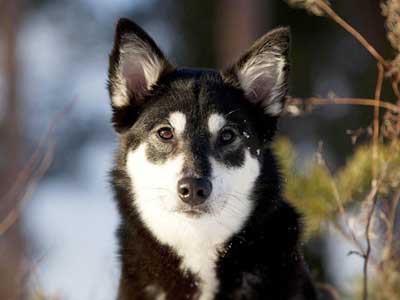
x=239 y=193
x=231 y=112
x=229 y=206
x=234 y=196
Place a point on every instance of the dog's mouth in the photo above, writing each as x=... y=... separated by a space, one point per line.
x=197 y=211
x=193 y=211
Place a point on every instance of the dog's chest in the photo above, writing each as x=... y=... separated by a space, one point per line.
x=201 y=259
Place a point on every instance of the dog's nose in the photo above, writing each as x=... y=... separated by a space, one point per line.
x=194 y=191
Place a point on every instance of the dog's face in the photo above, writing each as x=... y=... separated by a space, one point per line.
x=192 y=142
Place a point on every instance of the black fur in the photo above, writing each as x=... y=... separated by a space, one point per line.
x=263 y=260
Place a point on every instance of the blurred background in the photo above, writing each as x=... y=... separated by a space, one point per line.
x=57 y=233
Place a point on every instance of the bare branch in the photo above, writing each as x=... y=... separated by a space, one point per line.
x=375 y=140
x=13 y=215
x=313 y=101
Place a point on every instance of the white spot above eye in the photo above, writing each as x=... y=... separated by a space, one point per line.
x=215 y=123
x=178 y=121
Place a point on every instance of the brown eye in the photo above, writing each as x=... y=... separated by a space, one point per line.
x=165 y=133
x=227 y=136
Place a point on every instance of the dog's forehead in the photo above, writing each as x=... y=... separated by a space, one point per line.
x=194 y=102
x=197 y=107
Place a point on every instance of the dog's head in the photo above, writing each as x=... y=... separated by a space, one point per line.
x=193 y=142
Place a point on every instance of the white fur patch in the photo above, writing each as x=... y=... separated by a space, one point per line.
x=120 y=96
x=215 y=123
x=264 y=74
x=197 y=240
x=178 y=121
x=140 y=61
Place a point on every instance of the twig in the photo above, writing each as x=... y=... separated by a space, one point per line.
x=395 y=87
x=344 y=101
x=13 y=215
x=343 y=213
x=350 y=29
x=349 y=234
x=396 y=91
x=375 y=140
x=358 y=253
x=372 y=199
x=387 y=252
x=350 y=237
x=368 y=250
x=374 y=182
x=26 y=172
x=28 y=177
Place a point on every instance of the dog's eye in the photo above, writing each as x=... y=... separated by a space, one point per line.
x=227 y=136
x=165 y=133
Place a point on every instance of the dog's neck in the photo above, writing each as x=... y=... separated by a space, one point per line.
x=197 y=243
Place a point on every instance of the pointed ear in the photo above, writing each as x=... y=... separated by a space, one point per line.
x=262 y=72
x=136 y=64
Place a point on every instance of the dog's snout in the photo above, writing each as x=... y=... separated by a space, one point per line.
x=194 y=191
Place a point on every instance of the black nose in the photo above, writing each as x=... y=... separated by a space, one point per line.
x=194 y=191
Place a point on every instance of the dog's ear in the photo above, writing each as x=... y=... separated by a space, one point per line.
x=262 y=72
x=136 y=64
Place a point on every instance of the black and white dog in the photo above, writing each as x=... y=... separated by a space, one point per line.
x=198 y=187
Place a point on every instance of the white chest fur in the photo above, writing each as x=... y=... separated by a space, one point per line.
x=201 y=260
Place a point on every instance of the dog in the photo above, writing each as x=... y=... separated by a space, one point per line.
x=197 y=185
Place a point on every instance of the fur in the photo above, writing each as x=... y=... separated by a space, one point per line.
x=242 y=241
